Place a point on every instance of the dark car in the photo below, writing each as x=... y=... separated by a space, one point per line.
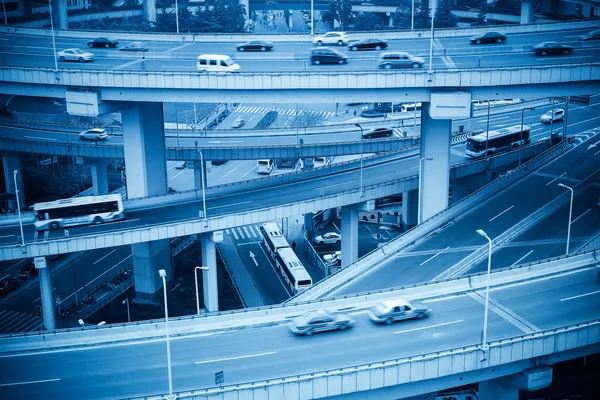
x=103 y=42
x=28 y=270
x=593 y=35
x=367 y=44
x=377 y=132
x=134 y=46
x=325 y=55
x=488 y=37
x=371 y=113
x=255 y=45
x=549 y=48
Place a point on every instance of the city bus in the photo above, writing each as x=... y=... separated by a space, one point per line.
x=292 y=270
x=273 y=238
x=78 y=211
x=500 y=140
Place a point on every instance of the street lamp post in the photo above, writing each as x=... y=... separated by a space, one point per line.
x=177 y=16
x=361 y=159
x=4 y=9
x=53 y=36
x=203 y=184
x=522 y=118
x=487 y=130
x=419 y=217
x=570 y=215
x=412 y=16
x=196 y=279
x=126 y=302
x=15 y=172
x=163 y=275
x=431 y=38
x=484 y=345
x=552 y=119
x=312 y=17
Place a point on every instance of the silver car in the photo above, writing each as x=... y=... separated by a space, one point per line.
x=320 y=321
x=396 y=310
x=548 y=117
x=333 y=259
x=389 y=60
x=75 y=55
x=94 y=134
x=328 y=238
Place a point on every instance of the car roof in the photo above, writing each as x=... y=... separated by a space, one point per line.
x=394 y=303
x=214 y=56
x=98 y=130
x=394 y=53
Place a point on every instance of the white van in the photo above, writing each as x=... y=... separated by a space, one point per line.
x=216 y=63
x=264 y=166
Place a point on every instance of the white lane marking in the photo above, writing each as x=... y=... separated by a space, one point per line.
x=5 y=276
x=520 y=259
x=336 y=227
x=112 y=223
x=250 y=170
x=580 y=295
x=102 y=258
x=555 y=179
x=172 y=166
x=229 y=205
x=334 y=185
x=39 y=138
x=38 y=299
x=237 y=358
x=175 y=176
x=575 y=220
x=129 y=64
x=596 y=153
x=28 y=382
x=174 y=287
x=508 y=209
x=430 y=326
x=6 y=236
x=225 y=141
x=178 y=47
x=434 y=256
x=227 y=174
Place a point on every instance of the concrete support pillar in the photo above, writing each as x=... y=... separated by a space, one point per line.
x=144 y=150
x=199 y=174
x=150 y=10
x=435 y=145
x=410 y=201
x=99 y=176
x=148 y=258
x=59 y=14
x=290 y=21
x=349 y=235
x=308 y=225
x=47 y=297
x=210 y=285
x=246 y=4
x=24 y=8
x=11 y=163
x=527 y=11
x=391 y=24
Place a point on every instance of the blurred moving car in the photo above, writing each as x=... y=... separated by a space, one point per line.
x=28 y=270
x=103 y=42
x=367 y=44
x=333 y=259
x=328 y=238
x=372 y=113
x=323 y=55
x=548 y=117
x=75 y=55
x=255 y=45
x=550 y=48
x=488 y=37
x=593 y=35
x=320 y=321
x=399 y=60
x=377 y=132
x=216 y=63
x=134 y=46
x=94 y=134
x=338 y=38
x=238 y=123
x=181 y=165
x=397 y=310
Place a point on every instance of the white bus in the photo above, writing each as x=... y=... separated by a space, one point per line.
x=78 y=211
x=410 y=107
x=292 y=270
x=500 y=140
x=264 y=166
x=273 y=238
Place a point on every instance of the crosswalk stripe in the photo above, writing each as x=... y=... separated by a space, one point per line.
x=234 y=234
x=247 y=233
x=240 y=233
x=252 y=227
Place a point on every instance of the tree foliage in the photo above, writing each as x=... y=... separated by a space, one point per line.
x=368 y=22
x=342 y=12
x=422 y=15
x=443 y=15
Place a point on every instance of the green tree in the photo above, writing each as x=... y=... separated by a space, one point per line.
x=402 y=18
x=342 y=12
x=443 y=15
x=422 y=15
x=368 y=22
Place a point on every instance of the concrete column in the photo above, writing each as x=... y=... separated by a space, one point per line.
x=150 y=10
x=210 y=285
x=11 y=163
x=99 y=176
x=308 y=225
x=246 y=4
x=349 y=235
x=147 y=259
x=59 y=14
x=24 y=8
x=46 y=291
x=410 y=201
x=391 y=24
x=144 y=150
x=198 y=172
x=527 y=11
x=435 y=144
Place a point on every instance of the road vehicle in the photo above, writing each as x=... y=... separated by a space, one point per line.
x=500 y=140
x=386 y=107
x=238 y=123
x=321 y=161
x=367 y=44
x=264 y=166
x=218 y=162
x=323 y=55
x=328 y=238
x=488 y=37
x=593 y=35
x=552 y=48
x=134 y=46
x=549 y=117
x=287 y=263
x=372 y=113
x=399 y=59
x=397 y=310
x=320 y=321
x=216 y=63
x=181 y=165
x=410 y=107
x=78 y=211
x=255 y=45
x=103 y=42
x=94 y=134
x=377 y=132
x=333 y=259
x=75 y=55
x=338 y=38
x=492 y=103
x=28 y=270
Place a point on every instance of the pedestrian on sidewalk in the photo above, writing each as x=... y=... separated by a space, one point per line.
x=294 y=246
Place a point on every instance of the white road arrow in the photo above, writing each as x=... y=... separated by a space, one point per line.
x=253 y=257
x=591 y=146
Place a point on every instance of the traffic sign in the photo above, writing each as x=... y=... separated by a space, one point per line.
x=219 y=378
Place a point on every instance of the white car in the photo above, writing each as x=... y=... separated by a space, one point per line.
x=75 y=55
x=333 y=259
x=328 y=238
x=94 y=134
x=238 y=123
x=559 y=114
x=320 y=321
x=338 y=38
x=396 y=310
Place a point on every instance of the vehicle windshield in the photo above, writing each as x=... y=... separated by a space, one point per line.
x=474 y=145
x=229 y=62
